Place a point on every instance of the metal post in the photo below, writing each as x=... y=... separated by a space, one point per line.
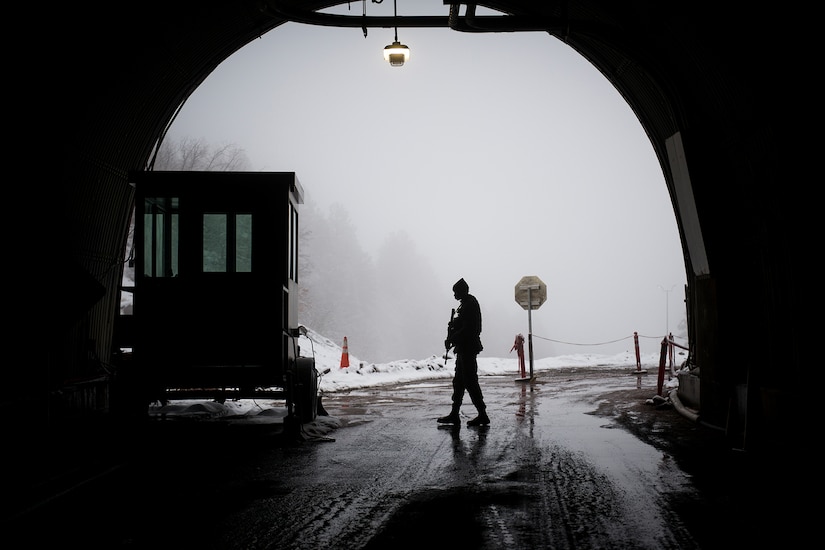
x=662 y=358
x=530 y=328
x=667 y=307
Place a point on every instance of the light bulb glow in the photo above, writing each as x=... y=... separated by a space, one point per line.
x=396 y=54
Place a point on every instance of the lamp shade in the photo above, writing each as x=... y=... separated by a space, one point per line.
x=397 y=54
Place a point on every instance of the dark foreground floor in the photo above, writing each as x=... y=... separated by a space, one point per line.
x=556 y=469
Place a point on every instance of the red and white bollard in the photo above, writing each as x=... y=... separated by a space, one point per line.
x=518 y=345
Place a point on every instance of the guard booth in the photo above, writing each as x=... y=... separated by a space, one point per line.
x=216 y=287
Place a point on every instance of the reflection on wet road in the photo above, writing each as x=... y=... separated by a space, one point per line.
x=547 y=473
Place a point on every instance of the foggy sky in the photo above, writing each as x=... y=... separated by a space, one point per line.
x=501 y=155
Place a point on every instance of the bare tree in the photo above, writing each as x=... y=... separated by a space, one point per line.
x=412 y=322
x=186 y=155
x=337 y=297
x=190 y=154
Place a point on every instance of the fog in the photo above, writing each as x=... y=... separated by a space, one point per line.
x=501 y=155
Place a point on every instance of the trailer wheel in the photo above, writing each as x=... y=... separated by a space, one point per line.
x=306 y=389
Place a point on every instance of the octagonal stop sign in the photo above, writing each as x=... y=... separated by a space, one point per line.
x=531 y=288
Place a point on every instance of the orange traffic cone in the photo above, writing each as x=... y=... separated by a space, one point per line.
x=345 y=355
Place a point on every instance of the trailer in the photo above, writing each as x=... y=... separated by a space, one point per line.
x=215 y=294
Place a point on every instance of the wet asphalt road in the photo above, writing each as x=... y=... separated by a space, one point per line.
x=578 y=459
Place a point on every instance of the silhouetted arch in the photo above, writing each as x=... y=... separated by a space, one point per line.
x=108 y=79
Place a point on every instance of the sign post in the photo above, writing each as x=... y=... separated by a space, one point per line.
x=531 y=292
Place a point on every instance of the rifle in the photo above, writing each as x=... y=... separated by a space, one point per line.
x=449 y=327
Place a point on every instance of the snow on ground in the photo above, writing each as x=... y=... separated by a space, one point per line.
x=361 y=374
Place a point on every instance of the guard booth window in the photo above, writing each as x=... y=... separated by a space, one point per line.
x=160 y=235
x=243 y=243
x=227 y=243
